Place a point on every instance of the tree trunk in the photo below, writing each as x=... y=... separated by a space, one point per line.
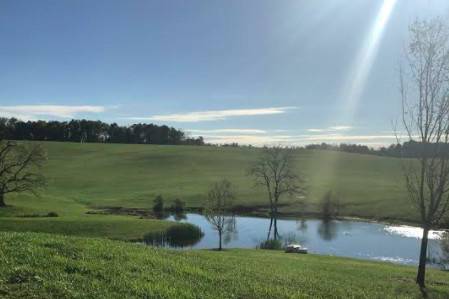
x=275 y=231
x=219 y=236
x=420 y=278
x=269 y=229
x=2 y=200
x=275 y=223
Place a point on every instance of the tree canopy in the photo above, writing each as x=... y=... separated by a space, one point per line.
x=92 y=131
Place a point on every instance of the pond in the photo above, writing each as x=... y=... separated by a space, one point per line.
x=356 y=239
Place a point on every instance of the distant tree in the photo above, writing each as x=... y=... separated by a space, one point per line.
x=218 y=209
x=158 y=204
x=275 y=171
x=20 y=168
x=425 y=109
x=92 y=131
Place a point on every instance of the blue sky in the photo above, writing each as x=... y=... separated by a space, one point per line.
x=253 y=71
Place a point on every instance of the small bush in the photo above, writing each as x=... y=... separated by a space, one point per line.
x=271 y=245
x=52 y=214
x=184 y=234
x=179 y=235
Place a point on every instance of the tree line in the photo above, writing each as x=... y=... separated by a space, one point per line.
x=408 y=149
x=93 y=131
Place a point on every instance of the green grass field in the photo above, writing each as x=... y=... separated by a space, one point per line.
x=84 y=177
x=51 y=266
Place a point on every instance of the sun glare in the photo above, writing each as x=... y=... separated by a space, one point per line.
x=358 y=74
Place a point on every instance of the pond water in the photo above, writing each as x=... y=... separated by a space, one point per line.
x=357 y=239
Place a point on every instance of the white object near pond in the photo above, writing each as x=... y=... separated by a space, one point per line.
x=295 y=248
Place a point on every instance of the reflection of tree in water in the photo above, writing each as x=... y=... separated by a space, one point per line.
x=441 y=253
x=301 y=225
x=445 y=246
x=327 y=230
x=273 y=229
x=178 y=216
x=230 y=232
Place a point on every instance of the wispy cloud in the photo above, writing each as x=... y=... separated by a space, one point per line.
x=214 y=115
x=27 y=112
x=340 y=128
x=260 y=137
x=227 y=131
x=331 y=129
x=256 y=140
x=337 y=138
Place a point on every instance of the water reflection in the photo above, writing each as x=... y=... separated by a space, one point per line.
x=301 y=225
x=230 y=232
x=327 y=230
x=341 y=238
x=273 y=232
x=179 y=216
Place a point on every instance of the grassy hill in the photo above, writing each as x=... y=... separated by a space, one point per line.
x=85 y=177
x=51 y=266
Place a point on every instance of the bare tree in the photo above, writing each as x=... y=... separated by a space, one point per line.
x=217 y=208
x=20 y=165
x=424 y=83
x=275 y=171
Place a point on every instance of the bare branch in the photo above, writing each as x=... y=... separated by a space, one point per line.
x=20 y=168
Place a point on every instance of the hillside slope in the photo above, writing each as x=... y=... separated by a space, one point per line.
x=85 y=176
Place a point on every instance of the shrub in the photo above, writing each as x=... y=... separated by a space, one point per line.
x=271 y=244
x=52 y=214
x=183 y=234
x=179 y=235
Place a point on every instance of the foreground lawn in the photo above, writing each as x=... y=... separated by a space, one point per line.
x=51 y=266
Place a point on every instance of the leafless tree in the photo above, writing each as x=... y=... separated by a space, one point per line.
x=275 y=171
x=20 y=168
x=424 y=84
x=218 y=208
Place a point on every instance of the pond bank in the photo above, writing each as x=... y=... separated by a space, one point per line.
x=260 y=211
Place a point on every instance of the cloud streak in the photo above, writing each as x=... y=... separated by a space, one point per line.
x=28 y=112
x=214 y=115
x=331 y=129
x=227 y=131
x=246 y=136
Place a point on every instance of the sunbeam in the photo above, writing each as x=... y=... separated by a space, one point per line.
x=358 y=74
x=361 y=66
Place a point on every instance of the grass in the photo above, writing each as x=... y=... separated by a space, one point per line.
x=110 y=226
x=83 y=177
x=51 y=266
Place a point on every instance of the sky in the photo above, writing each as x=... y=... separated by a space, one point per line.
x=255 y=72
